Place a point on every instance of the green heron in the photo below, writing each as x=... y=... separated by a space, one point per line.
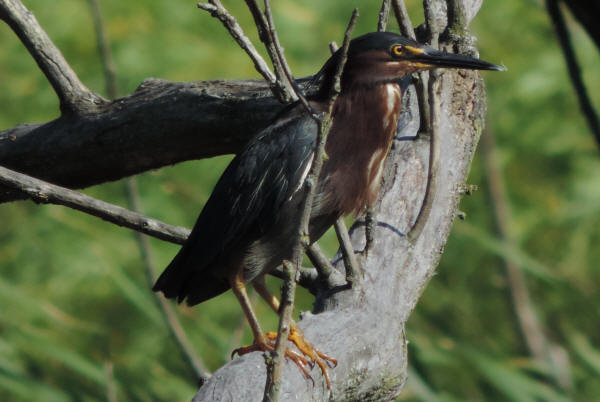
x=247 y=227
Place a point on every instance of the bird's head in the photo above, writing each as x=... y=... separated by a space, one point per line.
x=382 y=57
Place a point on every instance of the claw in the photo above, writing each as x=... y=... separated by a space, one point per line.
x=314 y=356
x=263 y=346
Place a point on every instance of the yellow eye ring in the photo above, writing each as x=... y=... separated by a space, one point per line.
x=397 y=50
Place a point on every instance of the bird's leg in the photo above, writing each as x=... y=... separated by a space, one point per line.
x=260 y=340
x=296 y=336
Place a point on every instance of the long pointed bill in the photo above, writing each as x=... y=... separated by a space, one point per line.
x=434 y=58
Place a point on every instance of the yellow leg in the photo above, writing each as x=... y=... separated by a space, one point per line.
x=260 y=341
x=296 y=336
x=261 y=288
x=239 y=289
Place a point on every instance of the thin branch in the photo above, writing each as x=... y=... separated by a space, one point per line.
x=406 y=27
x=290 y=82
x=350 y=261
x=273 y=384
x=434 y=156
x=275 y=362
x=46 y=193
x=108 y=64
x=217 y=10
x=283 y=84
x=429 y=109
x=384 y=14
x=574 y=70
x=70 y=90
x=320 y=261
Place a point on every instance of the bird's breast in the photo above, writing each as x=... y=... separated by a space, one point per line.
x=364 y=125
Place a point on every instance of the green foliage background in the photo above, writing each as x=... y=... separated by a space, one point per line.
x=76 y=313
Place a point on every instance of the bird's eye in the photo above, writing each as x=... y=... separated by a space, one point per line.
x=397 y=50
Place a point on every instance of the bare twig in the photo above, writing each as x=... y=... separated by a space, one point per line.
x=275 y=365
x=350 y=261
x=275 y=362
x=266 y=34
x=217 y=10
x=108 y=65
x=406 y=27
x=70 y=90
x=291 y=83
x=47 y=193
x=434 y=155
x=574 y=70
x=320 y=261
x=384 y=14
x=429 y=109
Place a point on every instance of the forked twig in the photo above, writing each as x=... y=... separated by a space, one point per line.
x=268 y=37
x=217 y=10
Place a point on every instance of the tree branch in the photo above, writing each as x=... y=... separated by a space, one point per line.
x=74 y=97
x=574 y=70
x=160 y=124
x=384 y=14
x=406 y=27
x=46 y=193
x=217 y=10
x=283 y=85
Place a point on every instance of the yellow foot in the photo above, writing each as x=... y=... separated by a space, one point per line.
x=261 y=345
x=314 y=356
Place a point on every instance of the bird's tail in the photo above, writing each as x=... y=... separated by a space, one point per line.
x=182 y=279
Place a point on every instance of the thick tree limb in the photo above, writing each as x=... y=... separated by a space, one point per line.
x=160 y=124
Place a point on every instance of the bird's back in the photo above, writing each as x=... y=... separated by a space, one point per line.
x=245 y=204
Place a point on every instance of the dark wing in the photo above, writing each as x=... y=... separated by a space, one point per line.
x=245 y=202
